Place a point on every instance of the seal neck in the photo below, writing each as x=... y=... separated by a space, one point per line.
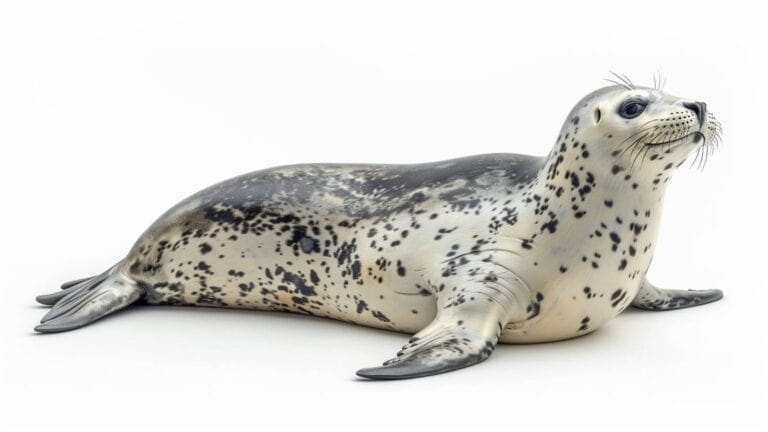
x=578 y=177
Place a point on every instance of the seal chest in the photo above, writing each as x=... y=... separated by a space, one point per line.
x=463 y=253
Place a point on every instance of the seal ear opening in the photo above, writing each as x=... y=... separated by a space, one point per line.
x=597 y=116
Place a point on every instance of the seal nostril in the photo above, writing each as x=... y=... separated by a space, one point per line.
x=700 y=108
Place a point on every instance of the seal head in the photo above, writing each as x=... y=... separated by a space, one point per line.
x=644 y=130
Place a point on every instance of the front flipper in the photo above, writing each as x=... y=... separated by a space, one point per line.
x=652 y=298
x=457 y=338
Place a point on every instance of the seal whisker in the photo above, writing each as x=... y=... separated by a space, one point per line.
x=637 y=145
x=631 y=84
x=642 y=148
x=623 y=78
x=636 y=138
x=642 y=128
x=645 y=154
x=630 y=147
x=706 y=156
x=618 y=83
x=698 y=152
x=711 y=152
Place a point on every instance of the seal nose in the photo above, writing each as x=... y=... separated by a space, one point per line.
x=700 y=108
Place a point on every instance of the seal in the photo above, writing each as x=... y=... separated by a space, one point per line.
x=464 y=253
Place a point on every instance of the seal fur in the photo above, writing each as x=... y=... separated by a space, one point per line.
x=464 y=253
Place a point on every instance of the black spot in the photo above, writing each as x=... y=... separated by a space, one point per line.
x=361 y=306
x=298 y=282
x=400 y=268
x=584 y=324
x=550 y=225
x=574 y=180
x=313 y=277
x=356 y=270
x=380 y=316
x=345 y=251
x=617 y=297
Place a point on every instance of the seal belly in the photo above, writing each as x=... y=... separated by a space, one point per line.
x=573 y=312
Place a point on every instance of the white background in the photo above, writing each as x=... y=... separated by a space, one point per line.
x=112 y=112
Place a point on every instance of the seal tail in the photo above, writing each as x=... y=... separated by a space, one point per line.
x=84 y=301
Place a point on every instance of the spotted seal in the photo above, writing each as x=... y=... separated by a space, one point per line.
x=464 y=253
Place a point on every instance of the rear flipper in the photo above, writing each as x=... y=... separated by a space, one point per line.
x=69 y=287
x=652 y=298
x=72 y=283
x=87 y=300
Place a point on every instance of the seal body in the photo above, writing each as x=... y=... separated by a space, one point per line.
x=359 y=243
x=370 y=244
x=464 y=252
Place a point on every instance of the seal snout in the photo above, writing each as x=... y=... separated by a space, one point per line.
x=700 y=109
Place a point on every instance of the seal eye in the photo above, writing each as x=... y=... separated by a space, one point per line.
x=631 y=109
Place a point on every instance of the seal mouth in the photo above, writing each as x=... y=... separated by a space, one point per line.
x=705 y=146
x=705 y=140
x=697 y=136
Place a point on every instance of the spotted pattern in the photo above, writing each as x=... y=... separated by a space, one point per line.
x=561 y=242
